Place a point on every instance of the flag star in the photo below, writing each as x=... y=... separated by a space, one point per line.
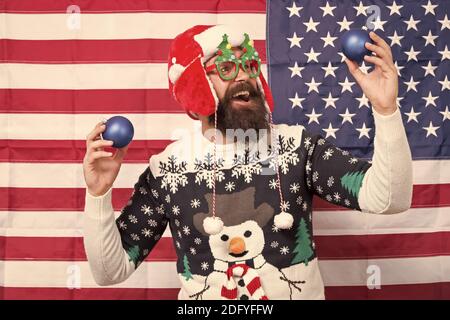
x=328 y=40
x=395 y=9
x=445 y=84
x=296 y=101
x=364 y=68
x=329 y=70
x=295 y=41
x=346 y=85
x=327 y=10
x=345 y=25
x=411 y=23
x=311 y=25
x=330 y=101
x=430 y=100
x=445 y=114
x=347 y=117
x=360 y=9
x=445 y=23
x=430 y=39
x=398 y=101
x=429 y=69
x=296 y=70
x=431 y=130
x=412 y=116
x=294 y=10
x=445 y=54
x=395 y=39
x=331 y=132
x=313 y=85
x=363 y=131
x=363 y=101
x=343 y=57
x=429 y=8
x=399 y=68
x=411 y=84
x=312 y=56
x=412 y=55
x=313 y=117
x=378 y=24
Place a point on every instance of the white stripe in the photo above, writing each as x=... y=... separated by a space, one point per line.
x=326 y=223
x=87 y=76
x=70 y=175
x=105 y=26
x=163 y=274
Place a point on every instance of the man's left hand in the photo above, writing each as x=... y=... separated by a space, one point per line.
x=381 y=85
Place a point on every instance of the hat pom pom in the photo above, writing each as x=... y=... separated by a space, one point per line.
x=284 y=220
x=212 y=225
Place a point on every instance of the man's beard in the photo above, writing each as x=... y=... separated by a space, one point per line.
x=254 y=116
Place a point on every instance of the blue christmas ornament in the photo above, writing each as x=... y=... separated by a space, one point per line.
x=353 y=44
x=120 y=130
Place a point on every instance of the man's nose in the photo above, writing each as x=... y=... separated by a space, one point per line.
x=242 y=75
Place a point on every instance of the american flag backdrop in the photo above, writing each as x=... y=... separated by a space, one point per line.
x=66 y=65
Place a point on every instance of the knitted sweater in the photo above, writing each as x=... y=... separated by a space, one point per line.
x=175 y=190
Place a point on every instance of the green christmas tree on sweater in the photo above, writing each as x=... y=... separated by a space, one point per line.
x=352 y=182
x=133 y=255
x=187 y=269
x=303 y=248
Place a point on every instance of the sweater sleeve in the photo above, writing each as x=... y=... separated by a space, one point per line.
x=383 y=187
x=115 y=248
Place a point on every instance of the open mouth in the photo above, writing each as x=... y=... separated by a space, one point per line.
x=238 y=255
x=243 y=96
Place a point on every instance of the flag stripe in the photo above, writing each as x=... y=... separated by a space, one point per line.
x=350 y=247
x=92 y=51
x=60 y=6
x=141 y=25
x=69 y=199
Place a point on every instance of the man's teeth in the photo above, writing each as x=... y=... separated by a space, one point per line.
x=244 y=94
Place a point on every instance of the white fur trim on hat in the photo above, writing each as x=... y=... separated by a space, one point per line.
x=175 y=71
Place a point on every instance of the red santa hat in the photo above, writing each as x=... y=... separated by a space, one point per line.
x=188 y=82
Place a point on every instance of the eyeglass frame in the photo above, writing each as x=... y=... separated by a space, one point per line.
x=239 y=65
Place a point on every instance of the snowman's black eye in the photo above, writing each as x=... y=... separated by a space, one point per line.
x=224 y=237
x=247 y=233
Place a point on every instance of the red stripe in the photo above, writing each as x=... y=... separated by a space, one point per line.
x=87 y=101
x=435 y=291
x=229 y=294
x=254 y=285
x=197 y=6
x=71 y=151
x=66 y=249
x=93 y=51
x=377 y=246
x=72 y=199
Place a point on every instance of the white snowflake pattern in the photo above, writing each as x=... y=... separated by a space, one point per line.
x=142 y=190
x=247 y=171
x=345 y=153
x=155 y=193
x=152 y=223
x=186 y=230
x=172 y=180
x=193 y=251
x=167 y=198
x=160 y=209
x=307 y=143
x=177 y=243
x=195 y=203
x=176 y=210
x=147 y=232
x=274 y=244
x=284 y=250
x=273 y=184
x=132 y=218
x=275 y=228
x=321 y=142
x=284 y=160
x=329 y=197
x=305 y=206
x=135 y=237
x=347 y=202
x=328 y=154
x=319 y=189
x=122 y=225
x=177 y=222
x=204 y=265
x=197 y=241
x=299 y=200
x=308 y=166
x=315 y=176
x=145 y=252
x=157 y=237
x=353 y=160
x=337 y=197
x=230 y=186
x=147 y=210
x=208 y=177
x=330 y=181
x=179 y=234
x=285 y=205
x=294 y=187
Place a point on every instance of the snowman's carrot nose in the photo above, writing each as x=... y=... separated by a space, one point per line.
x=237 y=245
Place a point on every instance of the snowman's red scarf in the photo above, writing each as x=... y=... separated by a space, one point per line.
x=250 y=278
